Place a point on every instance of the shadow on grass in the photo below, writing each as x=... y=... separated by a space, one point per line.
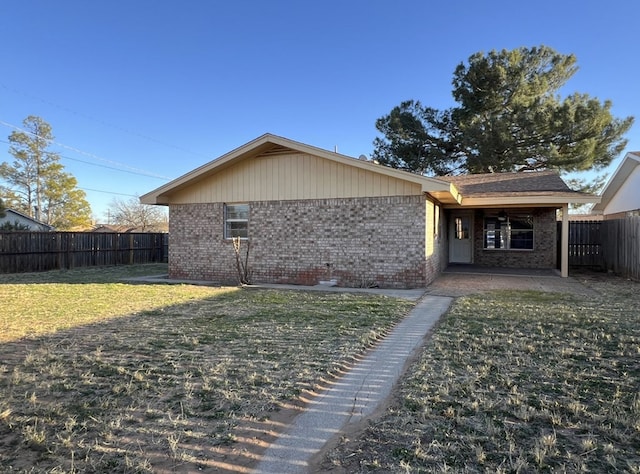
x=105 y=274
x=200 y=385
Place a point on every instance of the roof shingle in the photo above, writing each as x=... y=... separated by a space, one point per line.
x=509 y=183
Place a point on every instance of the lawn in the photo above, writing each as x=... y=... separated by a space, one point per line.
x=97 y=375
x=516 y=382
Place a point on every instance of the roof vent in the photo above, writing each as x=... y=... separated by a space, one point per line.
x=363 y=158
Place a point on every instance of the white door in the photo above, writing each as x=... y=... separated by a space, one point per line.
x=460 y=238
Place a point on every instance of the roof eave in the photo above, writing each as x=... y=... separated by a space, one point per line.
x=255 y=147
x=160 y=194
x=446 y=193
x=536 y=201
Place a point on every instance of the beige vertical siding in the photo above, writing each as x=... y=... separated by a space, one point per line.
x=291 y=177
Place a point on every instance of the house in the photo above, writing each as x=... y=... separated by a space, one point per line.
x=18 y=219
x=621 y=194
x=309 y=215
x=109 y=228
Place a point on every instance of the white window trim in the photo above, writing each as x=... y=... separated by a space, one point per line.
x=507 y=248
x=227 y=221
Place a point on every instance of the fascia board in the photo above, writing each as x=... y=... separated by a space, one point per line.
x=527 y=200
x=154 y=197
x=159 y=195
x=427 y=184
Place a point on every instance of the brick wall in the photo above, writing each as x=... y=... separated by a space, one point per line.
x=544 y=244
x=195 y=237
x=436 y=243
x=360 y=242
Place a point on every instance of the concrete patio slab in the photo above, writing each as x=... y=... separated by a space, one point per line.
x=461 y=283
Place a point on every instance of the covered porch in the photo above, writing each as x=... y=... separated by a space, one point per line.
x=509 y=220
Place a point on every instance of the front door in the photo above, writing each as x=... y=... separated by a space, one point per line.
x=460 y=239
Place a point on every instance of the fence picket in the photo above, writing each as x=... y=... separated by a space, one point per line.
x=613 y=245
x=42 y=251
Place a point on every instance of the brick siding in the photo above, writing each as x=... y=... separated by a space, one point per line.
x=382 y=241
x=544 y=244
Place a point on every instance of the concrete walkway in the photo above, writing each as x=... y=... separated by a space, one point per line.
x=354 y=396
x=363 y=389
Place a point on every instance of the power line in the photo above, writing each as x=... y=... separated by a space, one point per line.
x=116 y=169
x=108 y=192
x=102 y=122
x=122 y=166
x=102 y=166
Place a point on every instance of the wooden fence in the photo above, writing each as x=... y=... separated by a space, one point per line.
x=611 y=245
x=585 y=243
x=42 y=251
x=621 y=246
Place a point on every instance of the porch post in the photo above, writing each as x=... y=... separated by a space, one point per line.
x=564 y=261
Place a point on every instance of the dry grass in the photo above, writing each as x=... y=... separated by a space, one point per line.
x=516 y=382
x=154 y=378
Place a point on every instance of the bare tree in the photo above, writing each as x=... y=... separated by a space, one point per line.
x=132 y=213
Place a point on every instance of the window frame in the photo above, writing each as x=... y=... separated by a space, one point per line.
x=228 y=231
x=501 y=227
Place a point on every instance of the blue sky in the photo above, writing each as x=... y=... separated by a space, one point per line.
x=142 y=91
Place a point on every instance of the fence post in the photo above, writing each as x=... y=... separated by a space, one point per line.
x=59 y=250
x=29 y=251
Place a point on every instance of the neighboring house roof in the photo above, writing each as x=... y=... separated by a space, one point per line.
x=113 y=228
x=498 y=189
x=622 y=191
x=13 y=216
x=124 y=229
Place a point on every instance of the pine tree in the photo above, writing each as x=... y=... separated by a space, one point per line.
x=37 y=183
x=510 y=117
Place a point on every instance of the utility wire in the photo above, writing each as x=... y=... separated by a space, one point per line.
x=102 y=122
x=122 y=166
x=103 y=166
x=116 y=169
x=108 y=192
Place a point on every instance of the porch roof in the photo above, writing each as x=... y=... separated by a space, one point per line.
x=539 y=188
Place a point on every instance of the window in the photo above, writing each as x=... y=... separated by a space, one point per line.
x=461 y=228
x=236 y=221
x=508 y=232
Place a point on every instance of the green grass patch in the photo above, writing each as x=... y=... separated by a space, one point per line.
x=41 y=303
x=97 y=375
x=517 y=382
